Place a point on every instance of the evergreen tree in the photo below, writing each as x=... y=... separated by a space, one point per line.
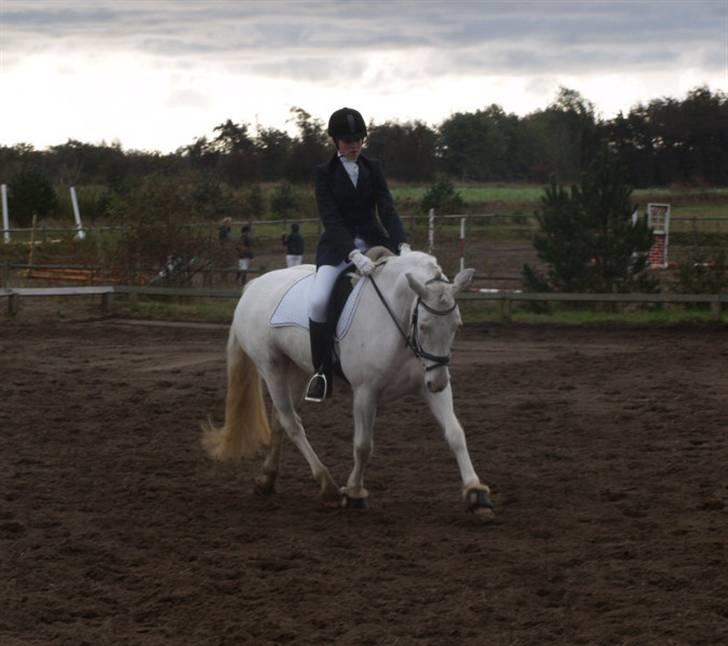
x=237 y=153
x=443 y=197
x=407 y=150
x=310 y=148
x=254 y=204
x=284 y=201
x=587 y=238
x=31 y=192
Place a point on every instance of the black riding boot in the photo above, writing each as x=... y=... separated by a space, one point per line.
x=320 y=385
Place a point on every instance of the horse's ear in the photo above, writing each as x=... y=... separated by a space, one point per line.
x=416 y=286
x=463 y=280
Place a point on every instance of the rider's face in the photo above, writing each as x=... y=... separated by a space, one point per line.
x=350 y=147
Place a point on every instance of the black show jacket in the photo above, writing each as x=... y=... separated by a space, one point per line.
x=347 y=212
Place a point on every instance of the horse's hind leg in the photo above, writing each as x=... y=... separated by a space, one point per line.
x=265 y=482
x=284 y=394
x=365 y=411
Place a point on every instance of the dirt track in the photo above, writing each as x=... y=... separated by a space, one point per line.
x=607 y=450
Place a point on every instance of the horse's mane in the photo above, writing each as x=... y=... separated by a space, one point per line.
x=379 y=252
x=421 y=264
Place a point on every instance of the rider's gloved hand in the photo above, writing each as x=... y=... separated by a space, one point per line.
x=363 y=263
x=404 y=248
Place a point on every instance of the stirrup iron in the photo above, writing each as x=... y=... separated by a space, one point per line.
x=318 y=375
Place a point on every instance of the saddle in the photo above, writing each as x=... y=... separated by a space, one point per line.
x=292 y=309
x=339 y=297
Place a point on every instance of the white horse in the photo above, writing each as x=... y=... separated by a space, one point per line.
x=407 y=296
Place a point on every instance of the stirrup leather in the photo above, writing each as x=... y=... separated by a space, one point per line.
x=311 y=385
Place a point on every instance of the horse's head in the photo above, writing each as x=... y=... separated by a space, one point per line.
x=435 y=319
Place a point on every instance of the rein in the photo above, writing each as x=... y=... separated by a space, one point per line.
x=412 y=341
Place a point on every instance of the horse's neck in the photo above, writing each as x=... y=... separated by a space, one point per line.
x=398 y=294
x=373 y=332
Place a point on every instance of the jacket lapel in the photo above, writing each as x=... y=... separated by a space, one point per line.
x=342 y=179
x=364 y=172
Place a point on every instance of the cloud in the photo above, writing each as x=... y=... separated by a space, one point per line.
x=319 y=69
x=526 y=37
x=186 y=65
x=188 y=98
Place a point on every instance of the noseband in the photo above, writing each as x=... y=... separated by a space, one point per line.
x=412 y=341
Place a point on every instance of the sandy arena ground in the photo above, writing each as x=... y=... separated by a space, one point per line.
x=606 y=448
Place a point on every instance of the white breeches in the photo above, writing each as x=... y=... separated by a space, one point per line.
x=323 y=284
x=293 y=261
x=243 y=264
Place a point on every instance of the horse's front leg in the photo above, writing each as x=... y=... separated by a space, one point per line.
x=475 y=494
x=365 y=412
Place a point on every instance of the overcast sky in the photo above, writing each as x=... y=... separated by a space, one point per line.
x=156 y=74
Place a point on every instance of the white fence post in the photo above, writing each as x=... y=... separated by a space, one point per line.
x=77 y=215
x=462 y=243
x=431 y=230
x=6 y=218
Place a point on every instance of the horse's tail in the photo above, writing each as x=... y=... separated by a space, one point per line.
x=246 y=428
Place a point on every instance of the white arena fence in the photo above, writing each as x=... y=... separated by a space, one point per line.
x=457 y=240
x=505 y=299
x=445 y=224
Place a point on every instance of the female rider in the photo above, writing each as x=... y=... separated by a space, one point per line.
x=350 y=193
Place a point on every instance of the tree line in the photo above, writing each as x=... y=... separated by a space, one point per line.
x=666 y=141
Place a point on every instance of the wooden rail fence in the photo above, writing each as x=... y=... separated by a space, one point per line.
x=505 y=299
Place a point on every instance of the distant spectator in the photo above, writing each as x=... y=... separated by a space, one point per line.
x=225 y=232
x=294 y=246
x=245 y=253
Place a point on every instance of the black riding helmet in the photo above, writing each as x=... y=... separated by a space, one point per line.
x=347 y=122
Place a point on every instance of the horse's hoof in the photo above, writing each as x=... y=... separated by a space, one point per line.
x=328 y=489
x=478 y=502
x=354 y=503
x=330 y=495
x=484 y=515
x=263 y=485
x=331 y=498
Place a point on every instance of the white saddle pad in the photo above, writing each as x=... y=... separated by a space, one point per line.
x=292 y=310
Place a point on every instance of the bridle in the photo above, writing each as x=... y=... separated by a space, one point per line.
x=412 y=340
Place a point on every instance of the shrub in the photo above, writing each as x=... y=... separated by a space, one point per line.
x=703 y=274
x=443 y=197
x=254 y=204
x=284 y=202
x=587 y=238
x=94 y=203
x=30 y=193
x=154 y=223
